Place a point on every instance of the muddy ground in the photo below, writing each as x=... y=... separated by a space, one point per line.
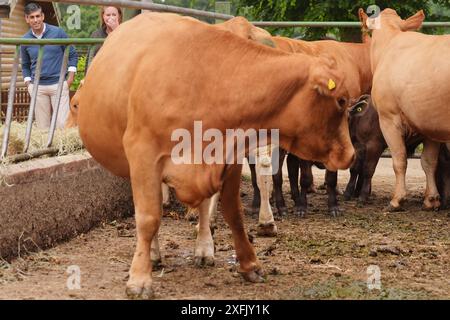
x=317 y=257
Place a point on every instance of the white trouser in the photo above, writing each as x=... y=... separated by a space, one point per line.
x=46 y=103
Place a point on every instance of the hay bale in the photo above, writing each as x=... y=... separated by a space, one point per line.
x=66 y=140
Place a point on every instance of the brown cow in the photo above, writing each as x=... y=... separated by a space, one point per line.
x=411 y=90
x=178 y=70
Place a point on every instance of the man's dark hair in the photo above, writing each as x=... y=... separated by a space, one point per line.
x=32 y=7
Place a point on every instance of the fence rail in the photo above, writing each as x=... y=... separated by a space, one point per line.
x=208 y=14
x=7 y=115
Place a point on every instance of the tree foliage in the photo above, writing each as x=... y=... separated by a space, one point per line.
x=90 y=20
x=336 y=10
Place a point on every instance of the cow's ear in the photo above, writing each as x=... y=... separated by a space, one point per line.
x=326 y=79
x=363 y=17
x=413 y=23
x=360 y=107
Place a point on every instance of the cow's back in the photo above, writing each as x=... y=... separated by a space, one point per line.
x=414 y=75
x=130 y=55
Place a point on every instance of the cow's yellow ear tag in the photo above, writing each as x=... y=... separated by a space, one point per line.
x=331 y=84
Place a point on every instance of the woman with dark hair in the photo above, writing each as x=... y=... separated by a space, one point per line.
x=110 y=18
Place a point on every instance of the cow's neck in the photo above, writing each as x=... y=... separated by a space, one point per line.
x=381 y=39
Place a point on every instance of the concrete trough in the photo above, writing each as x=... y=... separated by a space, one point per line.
x=46 y=201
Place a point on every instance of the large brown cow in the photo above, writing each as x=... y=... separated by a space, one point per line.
x=177 y=70
x=411 y=90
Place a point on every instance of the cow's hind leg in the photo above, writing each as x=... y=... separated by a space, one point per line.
x=393 y=133
x=429 y=161
x=147 y=195
x=266 y=224
x=250 y=267
x=204 y=246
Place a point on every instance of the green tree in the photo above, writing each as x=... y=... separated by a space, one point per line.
x=338 y=10
x=90 y=20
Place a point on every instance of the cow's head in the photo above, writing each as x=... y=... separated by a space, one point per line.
x=390 y=18
x=72 y=119
x=321 y=121
x=360 y=106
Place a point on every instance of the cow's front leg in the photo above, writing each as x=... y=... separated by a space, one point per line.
x=266 y=224
x=306 y=180
x=293 y=168
x=204 y=246
x=249 y=265
x=429 y=161
x=147 y=196
x=374 y=151
x=355 y=171
x=331 y=183
x=392 y=132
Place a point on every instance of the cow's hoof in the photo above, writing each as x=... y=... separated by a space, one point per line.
x=432 y=203
x=255 y=276
x=311 y=189
x=335 y=212
x=347 y=196
x=157 y=264
x=142 y=291
x=201 y=262
x=267 y=230
x=301 y=212
x=282 y=212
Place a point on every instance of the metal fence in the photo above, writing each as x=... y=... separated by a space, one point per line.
x=12 y=86
x=21 y=104
x=14 y=96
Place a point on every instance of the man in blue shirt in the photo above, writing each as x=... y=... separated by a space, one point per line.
x=51 y=67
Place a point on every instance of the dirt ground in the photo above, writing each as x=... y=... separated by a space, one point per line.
x=317 y=257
